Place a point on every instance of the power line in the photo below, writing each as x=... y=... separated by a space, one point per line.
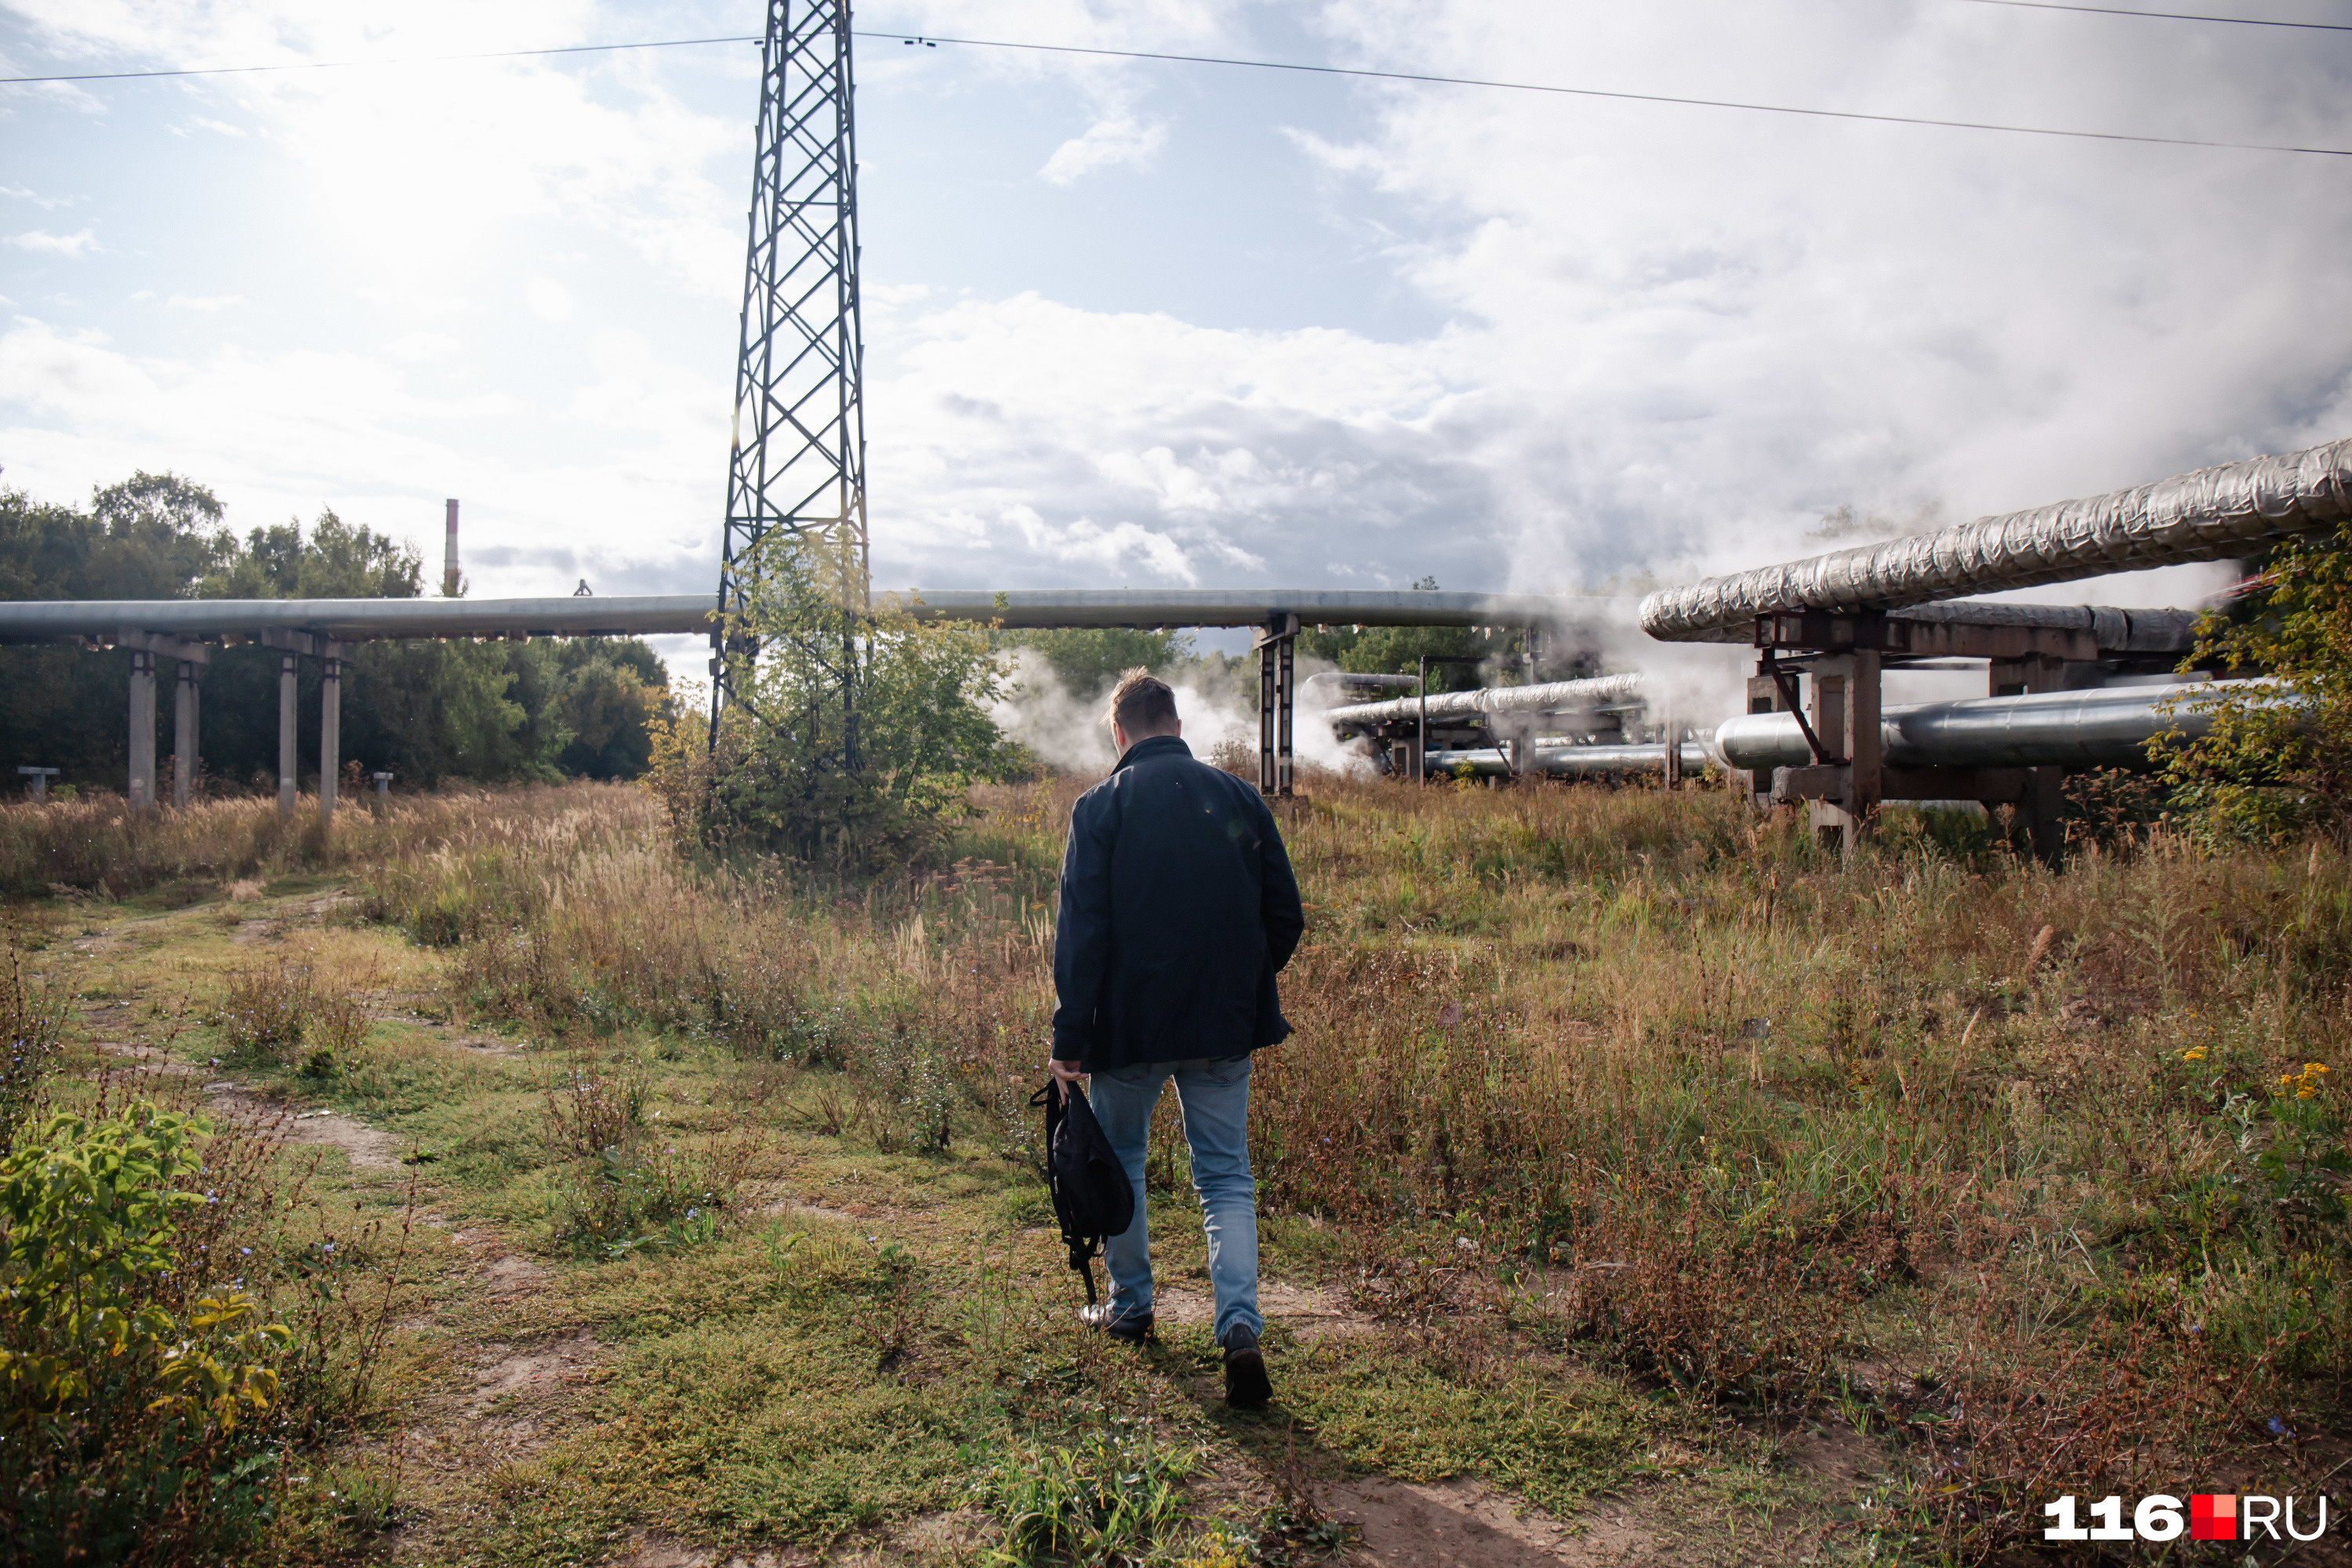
x=1426 y=78
x=1626 y=97
x=400 y=60
x=2167 y=16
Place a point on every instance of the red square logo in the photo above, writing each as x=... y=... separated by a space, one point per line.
x=2213 y=1516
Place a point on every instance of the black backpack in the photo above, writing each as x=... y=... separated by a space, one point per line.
x=1092 y=1196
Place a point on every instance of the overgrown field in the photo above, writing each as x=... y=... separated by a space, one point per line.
x=1627 y=1148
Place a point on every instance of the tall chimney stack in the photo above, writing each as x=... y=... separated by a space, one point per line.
x=449 y=556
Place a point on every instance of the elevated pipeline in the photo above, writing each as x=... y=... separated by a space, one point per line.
x=354 y=620
x=2108 y=727
x=1550 y=697
x=1573 y=762
x=2212 y=514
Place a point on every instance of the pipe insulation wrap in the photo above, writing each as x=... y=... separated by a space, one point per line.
x=2211 y=514
x=2107 y=728
x=1552 y=696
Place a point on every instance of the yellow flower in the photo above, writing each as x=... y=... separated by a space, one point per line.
x=2193 y=1054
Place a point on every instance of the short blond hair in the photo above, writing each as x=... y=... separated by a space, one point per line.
x=1142 y=704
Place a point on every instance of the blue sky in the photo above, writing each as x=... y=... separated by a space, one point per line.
x=1160 y=324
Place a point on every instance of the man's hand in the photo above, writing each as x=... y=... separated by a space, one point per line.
x=1065 y=1075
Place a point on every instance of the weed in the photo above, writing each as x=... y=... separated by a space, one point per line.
x=33 y=1020
x=1108 y=1498
x=593 y=1111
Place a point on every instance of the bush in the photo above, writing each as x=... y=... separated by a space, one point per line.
x=127 y=1395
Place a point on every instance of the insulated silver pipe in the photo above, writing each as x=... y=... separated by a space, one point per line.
x=2211 y=514
x=1552 y=696
x=1047 y=607
x=1573 y=762
x=2107 y=728
x=356 y=620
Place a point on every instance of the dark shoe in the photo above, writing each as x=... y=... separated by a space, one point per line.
x=1134 y=1330
x=1246 y=1387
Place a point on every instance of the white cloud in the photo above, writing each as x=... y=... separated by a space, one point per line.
x=282 y=434
x=424 y=348
x=548 y=299
x=48 y=203
x=1120 y=139
x=203 y=303
x=77 y=244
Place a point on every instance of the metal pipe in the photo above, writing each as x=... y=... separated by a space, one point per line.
x=352 y=620
x=2108 y=727
x=1574 y=762
x=2211 y=514
x=1252 y=607
x=1343 y=678
x=1552 y=696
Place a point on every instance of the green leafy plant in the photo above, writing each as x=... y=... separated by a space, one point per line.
x=124 y=1405
x=2278 y=756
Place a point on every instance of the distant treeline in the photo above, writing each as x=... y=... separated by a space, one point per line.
x=425 y=712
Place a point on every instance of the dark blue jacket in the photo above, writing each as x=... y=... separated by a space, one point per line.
x=1177 y=909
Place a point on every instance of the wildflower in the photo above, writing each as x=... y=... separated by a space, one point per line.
x=2193 y=1054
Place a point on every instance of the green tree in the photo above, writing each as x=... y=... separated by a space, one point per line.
x=1398 y=650
x=337 y=561
x=423 y=711
x=1089 y=661
x=857 y=786
x=2278 y=756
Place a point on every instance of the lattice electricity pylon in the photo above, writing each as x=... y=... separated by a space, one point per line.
x=799 y=367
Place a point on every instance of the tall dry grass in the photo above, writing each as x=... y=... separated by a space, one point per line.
x=1948 y=1133
x=97 y=845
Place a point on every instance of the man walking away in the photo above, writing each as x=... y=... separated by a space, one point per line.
x=1178 y=910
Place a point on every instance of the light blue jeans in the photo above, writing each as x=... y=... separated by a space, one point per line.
x=1214 y=1095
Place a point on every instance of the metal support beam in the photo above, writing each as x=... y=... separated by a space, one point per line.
x=141 y=790
x=1923 y=639
x=1277 y=701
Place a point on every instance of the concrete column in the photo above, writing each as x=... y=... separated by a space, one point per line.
x=142 y=792
x=184 y=733
x=286 y=761
x=330 y=735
